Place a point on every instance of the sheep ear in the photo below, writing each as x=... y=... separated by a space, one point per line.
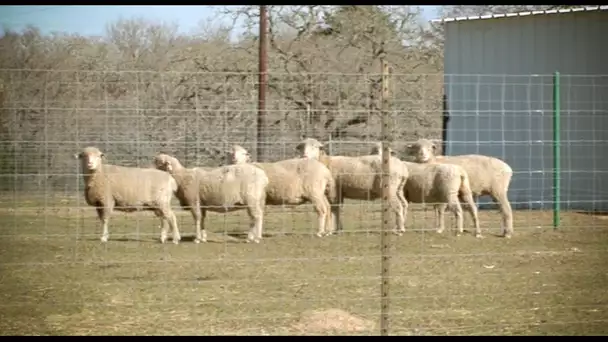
x=393 y=153
x=77 y=155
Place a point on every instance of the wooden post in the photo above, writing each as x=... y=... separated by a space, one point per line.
x=385 y=226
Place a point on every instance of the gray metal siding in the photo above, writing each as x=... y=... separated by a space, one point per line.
x=499 y=88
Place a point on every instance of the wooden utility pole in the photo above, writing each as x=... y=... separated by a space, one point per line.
x=262 y=84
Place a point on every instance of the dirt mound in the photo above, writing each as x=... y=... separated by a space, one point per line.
x=332 y=320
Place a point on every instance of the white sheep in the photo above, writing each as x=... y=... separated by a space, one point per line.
x=127 y=189
x=360 y=178
x=440 y=185
x=487 y=176
x=296 y=181
x=223 y=189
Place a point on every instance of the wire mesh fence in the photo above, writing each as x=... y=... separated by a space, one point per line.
x=58 y=277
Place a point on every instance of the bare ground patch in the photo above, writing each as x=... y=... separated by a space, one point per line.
x=330 y=321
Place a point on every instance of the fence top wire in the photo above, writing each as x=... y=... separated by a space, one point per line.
x=279 y=73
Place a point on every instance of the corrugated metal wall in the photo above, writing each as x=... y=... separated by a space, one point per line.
x=499 y=89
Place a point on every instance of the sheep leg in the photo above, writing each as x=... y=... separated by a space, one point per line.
x=335 y=213
x=455 y=207
x=167 y=214
x=199 y=215
x=507 y=213
x=322 y=208
x=104 y=216
x=472 y=209
x=163 y=226
x=173 y=223
x=404 y=206
x=256 y=215
x=440 y=217
x=397 y=208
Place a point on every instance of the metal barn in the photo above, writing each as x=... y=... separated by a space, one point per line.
x=499 y=87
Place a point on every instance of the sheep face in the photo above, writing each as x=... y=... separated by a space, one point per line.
x=239 y=155
x=91 y=158
x=309 y=148
x=422 y=150
x=166 y=166
x=163 y=163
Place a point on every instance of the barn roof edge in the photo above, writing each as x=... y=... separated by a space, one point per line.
x=522 y=14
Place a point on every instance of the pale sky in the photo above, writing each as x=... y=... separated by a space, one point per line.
x=92 y=20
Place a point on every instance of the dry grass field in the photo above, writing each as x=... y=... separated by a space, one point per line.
x=58 y=279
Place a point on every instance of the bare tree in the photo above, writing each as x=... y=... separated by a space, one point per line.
x=144 y=87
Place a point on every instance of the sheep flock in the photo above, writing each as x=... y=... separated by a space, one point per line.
x=312 y=176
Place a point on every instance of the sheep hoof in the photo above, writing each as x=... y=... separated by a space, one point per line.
x=198 y=240
x=507 y=236
x=320 y=235
x=479 y=236
x=440 y=231
x=104 y=239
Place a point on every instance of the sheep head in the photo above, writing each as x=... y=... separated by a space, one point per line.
x=165 y=162
x=423 y=150
x=310 y=148
x=90 y=157
x=239 y=155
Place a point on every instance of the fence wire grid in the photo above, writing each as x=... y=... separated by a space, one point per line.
x=58 y=278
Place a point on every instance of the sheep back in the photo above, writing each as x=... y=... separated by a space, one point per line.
x=130 y=188
x=361 y=176
x=294 y=181
x=231 y=185
x=434 y=182
x=487 y=175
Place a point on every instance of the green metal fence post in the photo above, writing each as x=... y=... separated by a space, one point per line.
x=556 y=150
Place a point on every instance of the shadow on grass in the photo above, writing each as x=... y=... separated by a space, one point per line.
x=593 y=213
x=243 y=235
x=122 y=239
